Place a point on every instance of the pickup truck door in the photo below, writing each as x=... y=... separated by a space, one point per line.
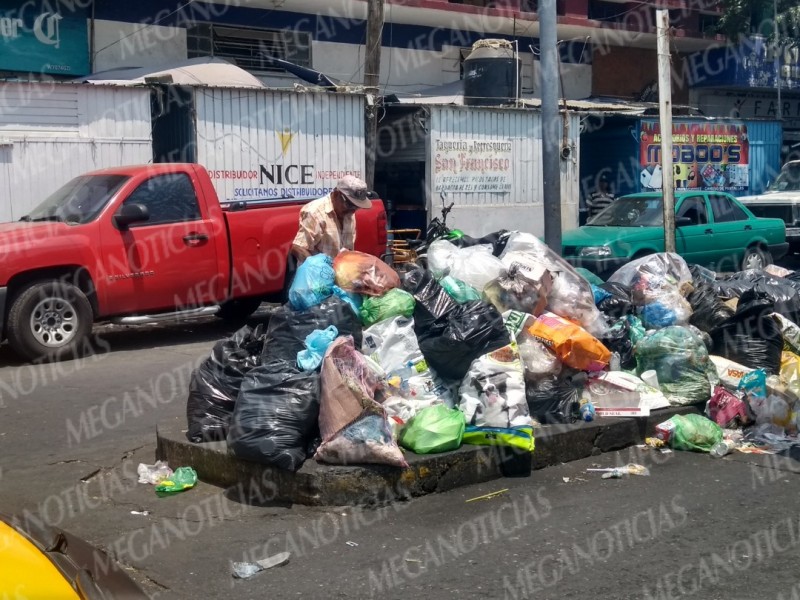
x=694 y=242
x=733 y=231
x=167 y=262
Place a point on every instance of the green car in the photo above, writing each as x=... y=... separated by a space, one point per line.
x=712 y=229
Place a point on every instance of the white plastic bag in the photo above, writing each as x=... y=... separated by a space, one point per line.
x=154 y=474
x=393 y=345
x=440 y=258
x=538 y=360
x=493 y=391
x=476 y=266
x=570 y=296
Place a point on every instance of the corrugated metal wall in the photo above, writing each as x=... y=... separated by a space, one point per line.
x=765 y=153
x=522 y=208
x=241 y=131
x=52 y=132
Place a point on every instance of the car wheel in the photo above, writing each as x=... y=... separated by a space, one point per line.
x=49 y=320
x=238 y=310
x=756 y=258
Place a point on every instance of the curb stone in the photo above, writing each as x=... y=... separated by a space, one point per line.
x=334 y=485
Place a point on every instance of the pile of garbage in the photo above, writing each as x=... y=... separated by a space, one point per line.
x=488 y=342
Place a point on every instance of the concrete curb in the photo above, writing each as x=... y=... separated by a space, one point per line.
x=327 y=485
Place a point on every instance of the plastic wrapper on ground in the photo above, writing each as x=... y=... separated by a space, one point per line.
x=215 y=384
x=622 y=394
x=451 y=342
x=681 y=363
x=727 y=410
x=288 y=329
x=690 y=432
x=492 y=393
x=312 y=283
x=573 y=345
x=364 y=274
x=276 y=415
x=519 y=438
x=570 y=295
x=432 y=430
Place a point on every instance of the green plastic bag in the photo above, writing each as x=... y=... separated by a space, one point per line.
x=393 y=303
x=680 y=360
x=433 y=429
x=184 y=478
x=692 y=432
x=589 y=276
x=520 y=438
x=458 y=290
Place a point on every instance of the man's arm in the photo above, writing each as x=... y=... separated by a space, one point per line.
x=308 y=235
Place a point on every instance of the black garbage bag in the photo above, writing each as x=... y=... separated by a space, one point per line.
x=750 y=337
x=618 y=339
x=553 y=399
x=275 y=420
x=451 y=342
x=497 y=240
x=215 y=384
x=619 y=304
x=708 y=309
x=433 y=301
x=288 y=329
x=784 y=293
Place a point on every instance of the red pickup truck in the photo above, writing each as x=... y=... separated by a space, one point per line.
x=144 y=243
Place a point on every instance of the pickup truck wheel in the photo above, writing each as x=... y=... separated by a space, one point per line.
x=238 y=310
x=49 y=320
x=756 y=258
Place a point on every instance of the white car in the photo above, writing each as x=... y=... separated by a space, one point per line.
x=781 y=200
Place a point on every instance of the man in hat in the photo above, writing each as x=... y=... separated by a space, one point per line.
x=601 y=198
x=327 y=225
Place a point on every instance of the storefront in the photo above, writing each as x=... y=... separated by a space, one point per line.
x=41 y=37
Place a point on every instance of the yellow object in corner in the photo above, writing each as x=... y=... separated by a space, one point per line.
x=25 y=572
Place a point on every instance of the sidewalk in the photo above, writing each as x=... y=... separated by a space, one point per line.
x=332 y=485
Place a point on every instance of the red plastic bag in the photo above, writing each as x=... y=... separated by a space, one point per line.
x=364 y=274
x=726 y=409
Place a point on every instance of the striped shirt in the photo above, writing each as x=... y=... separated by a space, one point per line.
x=597 y=202
x=320 y=231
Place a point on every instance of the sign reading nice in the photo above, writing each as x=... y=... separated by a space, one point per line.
x=44 y=36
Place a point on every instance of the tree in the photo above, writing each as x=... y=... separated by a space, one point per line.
x=742 y=18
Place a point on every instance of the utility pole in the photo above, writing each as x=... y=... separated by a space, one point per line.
x=665 y=114
x=372 y=70
x=551 y=125
x=778 y=49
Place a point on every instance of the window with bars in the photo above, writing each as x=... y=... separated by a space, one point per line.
x=249 y=48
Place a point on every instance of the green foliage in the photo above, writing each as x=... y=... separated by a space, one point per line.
x=741 y=18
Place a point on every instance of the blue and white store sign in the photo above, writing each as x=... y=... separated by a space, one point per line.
x=44 y=36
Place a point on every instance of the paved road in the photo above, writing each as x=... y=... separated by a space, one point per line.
x=73 y=433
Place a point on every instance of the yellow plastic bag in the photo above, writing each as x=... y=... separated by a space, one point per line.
x=573 y=345
x=790 y=371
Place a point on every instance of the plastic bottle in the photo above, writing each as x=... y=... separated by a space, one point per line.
x=587 y=411
x=722 y=448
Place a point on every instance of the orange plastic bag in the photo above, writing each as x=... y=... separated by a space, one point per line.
x=573 y=345
x=364 y=274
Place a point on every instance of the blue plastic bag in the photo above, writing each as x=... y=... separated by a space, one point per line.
x=317 y=343
x=657 y=315
x=313 y=282
x=600 y=294
x=353 y=299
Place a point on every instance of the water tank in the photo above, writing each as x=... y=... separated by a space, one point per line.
x=491 y=74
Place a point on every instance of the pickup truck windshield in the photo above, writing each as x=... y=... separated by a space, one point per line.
x=631 y=211
x=79 y=201
x=788 y=180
